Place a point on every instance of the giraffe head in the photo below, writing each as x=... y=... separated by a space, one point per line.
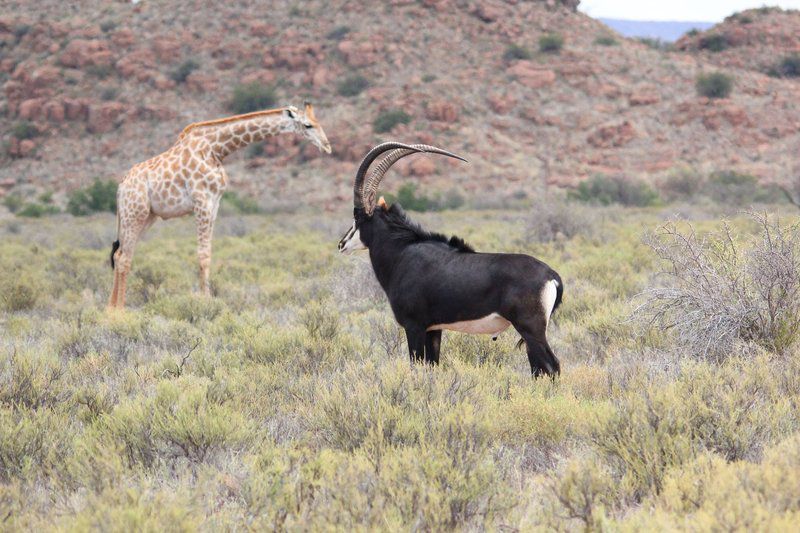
x=305 y=124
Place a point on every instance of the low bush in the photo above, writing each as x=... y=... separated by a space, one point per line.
x=732 y=188
x=552 y=219
x=607 y=190
x=180 y=74
x=24 y=130
x=788 y=67
x=714 y=85
x=716 y=42
x=387 y=120
x=714 y=293
x=681 y=185
x=515 y=52
x=251 y=97
x=98 y=197
x=233 y=202
x=409 y=197
x=338 y=33
x=655 y=44
x=352 y=85
x=606 y=40
x=551 y=43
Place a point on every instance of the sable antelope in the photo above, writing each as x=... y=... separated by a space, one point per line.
x=434 y=283
x=189 y=178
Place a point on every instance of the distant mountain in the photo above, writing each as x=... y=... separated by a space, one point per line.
x=664 y=30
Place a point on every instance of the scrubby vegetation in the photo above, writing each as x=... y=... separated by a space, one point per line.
x=606 y=190
x=412 y=200
x=551 y=43
x=515 y=52
x=715 y=42
x=714 y=85
x=352 y=85
x=287 y=400
x=183 y=70
x=387 y=120
x=606 y=40
x=252 y=97
x=788 y=67
x=100 y=196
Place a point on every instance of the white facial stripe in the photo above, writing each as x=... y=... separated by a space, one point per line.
x=351 y=242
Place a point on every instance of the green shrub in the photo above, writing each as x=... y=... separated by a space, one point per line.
x=100 y=71
x=251 y=97
x=788 y=67
x=655 y=44
x=606 y=190
x=606 y=40
x=681 y=184
x=24 y=130
x=515 y=51
x=13 y=202
x=180 y=74
x=714 y=85
x=551 y=43
x=240 y=205
x=338 y=33
x=716 y=42
x=428 y=78
x=733 y=188
x=109 y=93
x=387 y=120
x=21 y=30
x=107 y=26
x=20 y=293
x=352 y=85
x=98 y=197
x=37 y=210
x=694 y=32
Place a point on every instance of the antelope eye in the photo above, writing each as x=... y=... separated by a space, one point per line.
x=309 y=126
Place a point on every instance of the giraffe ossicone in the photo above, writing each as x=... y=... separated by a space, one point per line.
x=189 y=178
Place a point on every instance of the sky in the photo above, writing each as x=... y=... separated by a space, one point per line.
x=678 y=10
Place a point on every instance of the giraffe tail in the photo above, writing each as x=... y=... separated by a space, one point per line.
x=115 y=245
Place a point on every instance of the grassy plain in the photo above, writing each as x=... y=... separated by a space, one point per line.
x=287 y=401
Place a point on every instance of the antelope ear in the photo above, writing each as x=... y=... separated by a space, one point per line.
x=382 y=203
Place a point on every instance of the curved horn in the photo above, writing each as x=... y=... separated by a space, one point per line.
x=373 y=154
x=370 y=189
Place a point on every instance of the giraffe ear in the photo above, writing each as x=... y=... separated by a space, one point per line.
x=310 y=110
x=382 y=203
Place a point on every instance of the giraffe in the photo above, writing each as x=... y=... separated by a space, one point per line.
x=189 y=178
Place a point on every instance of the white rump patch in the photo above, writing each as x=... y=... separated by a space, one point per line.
x=492 y=325
x=549 y=293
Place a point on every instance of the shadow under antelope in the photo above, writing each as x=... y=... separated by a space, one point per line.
x=434 y=283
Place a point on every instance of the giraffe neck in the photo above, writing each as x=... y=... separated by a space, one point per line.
x=226 y=138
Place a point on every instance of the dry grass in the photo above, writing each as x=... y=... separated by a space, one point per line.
x=287 y=400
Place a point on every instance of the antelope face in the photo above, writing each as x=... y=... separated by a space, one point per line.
x=351 y=241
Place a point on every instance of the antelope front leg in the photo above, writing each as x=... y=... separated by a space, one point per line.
x=205 y=229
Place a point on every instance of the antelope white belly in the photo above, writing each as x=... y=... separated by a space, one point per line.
x=492 y=325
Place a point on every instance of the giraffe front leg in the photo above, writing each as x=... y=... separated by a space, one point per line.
x=205 y=230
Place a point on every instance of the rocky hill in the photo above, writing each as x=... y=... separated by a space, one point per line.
x=756 y=39
x=89 y=89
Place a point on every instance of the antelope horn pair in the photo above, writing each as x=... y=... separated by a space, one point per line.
x=364 y=192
